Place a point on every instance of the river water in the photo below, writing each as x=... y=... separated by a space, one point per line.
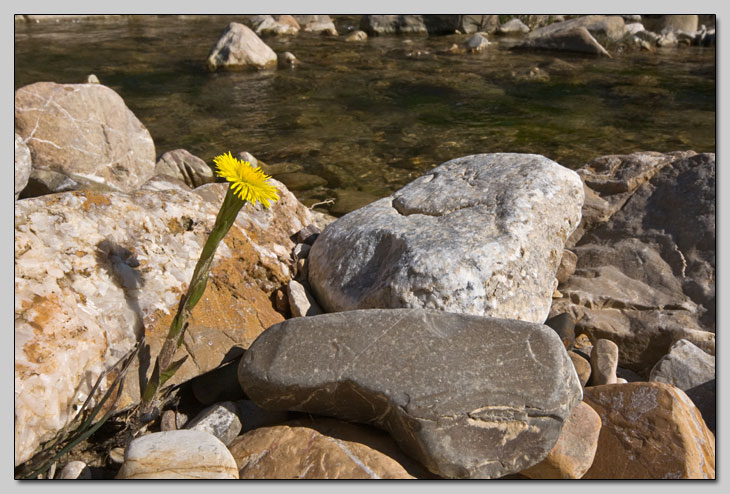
x=356 y=121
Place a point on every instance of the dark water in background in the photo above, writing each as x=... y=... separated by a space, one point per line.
x=357 y=121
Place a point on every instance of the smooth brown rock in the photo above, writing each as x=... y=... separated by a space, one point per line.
x=582 y=367
x=320 y=449
x=572 y=455
x=649 y=431
x=567 y=266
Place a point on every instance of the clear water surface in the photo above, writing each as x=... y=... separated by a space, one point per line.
x=355 y=121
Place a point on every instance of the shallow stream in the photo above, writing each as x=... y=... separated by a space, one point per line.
x=355 y=121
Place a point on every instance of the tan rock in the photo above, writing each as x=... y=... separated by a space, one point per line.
x=93 y=269
x=183 y=165
x=320 y=449
x=650 y=430
x=84 y=132
x=573 y=454
x=604 y=361
x=582 y=367
x=239 y=47
x=567 y=266
x=22 y=165
x=184 y=454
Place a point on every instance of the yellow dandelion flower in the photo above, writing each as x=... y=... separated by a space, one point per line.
x=247 y=182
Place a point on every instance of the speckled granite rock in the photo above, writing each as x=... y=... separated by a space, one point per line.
x=84 y=132
x=94 y=270
x=478 y=398
x=480 y=234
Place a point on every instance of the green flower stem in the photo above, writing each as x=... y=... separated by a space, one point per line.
x=164 y=366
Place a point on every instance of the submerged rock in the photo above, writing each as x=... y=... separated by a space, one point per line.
x=481 y=234
x=267 y=25
x=83 y=136
x=320 y=24
x=578 y=39
x=470 y=403
x=375 y=25
x=513 y=26
x=603 y=26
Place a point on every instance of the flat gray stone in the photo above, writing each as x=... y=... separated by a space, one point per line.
x=685 y=366
x=481 y=234
x=220 y=419
x=466 y=396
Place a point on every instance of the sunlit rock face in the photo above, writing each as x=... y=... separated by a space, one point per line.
x=481 y=234
x=81 y=136
x=96 y=271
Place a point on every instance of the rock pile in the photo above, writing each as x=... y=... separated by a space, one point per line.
x=499 y=316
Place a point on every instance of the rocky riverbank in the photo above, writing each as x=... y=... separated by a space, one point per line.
x=500 y=316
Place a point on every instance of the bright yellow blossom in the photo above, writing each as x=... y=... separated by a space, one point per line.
x=247 y=182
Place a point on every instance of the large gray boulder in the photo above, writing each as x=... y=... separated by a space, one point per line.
x=83 y=136
x=239 y=48
x=645 y=276
x=467 y=396
x=481 y=234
